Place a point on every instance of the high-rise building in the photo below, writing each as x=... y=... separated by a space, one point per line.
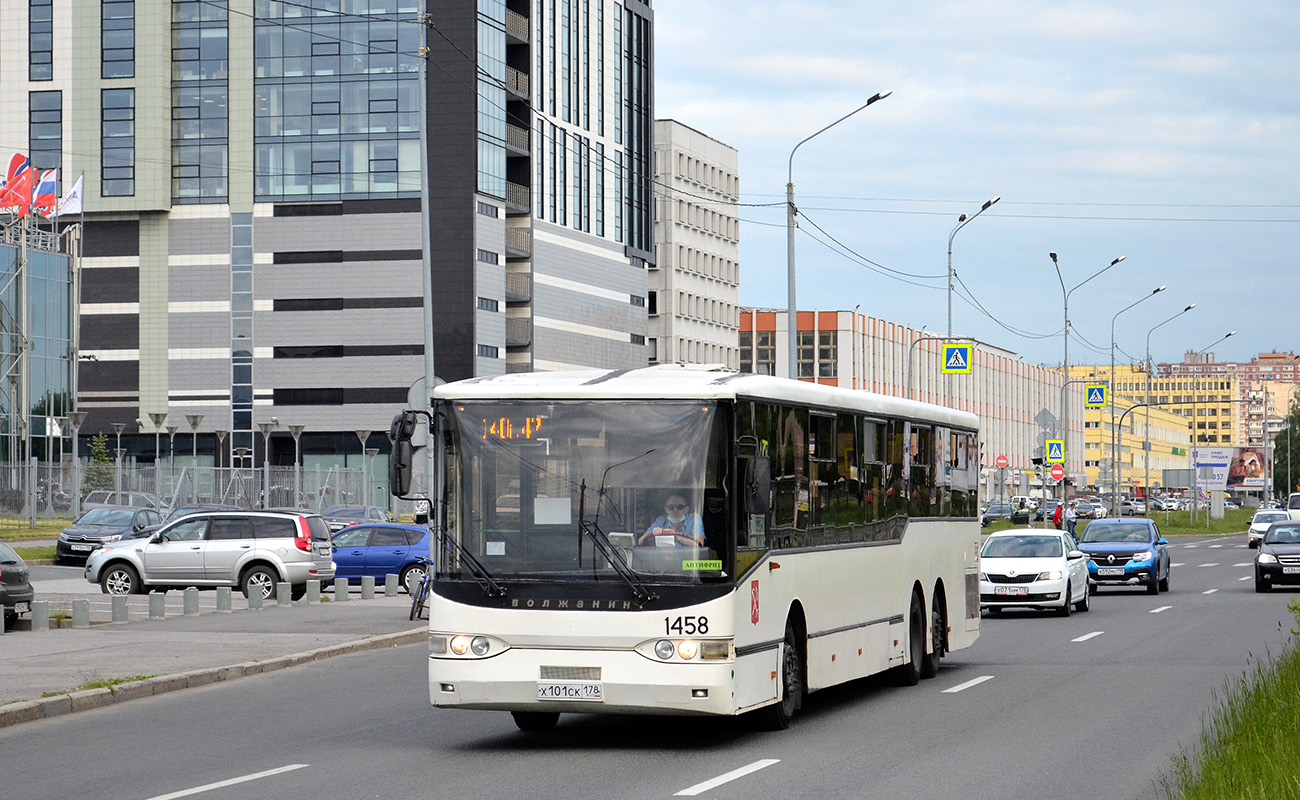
x=252 y=203
x=694 y=291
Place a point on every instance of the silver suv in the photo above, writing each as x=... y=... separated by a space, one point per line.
x=249 y=550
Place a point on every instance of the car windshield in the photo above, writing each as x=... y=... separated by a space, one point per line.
x=117 y=517
x=1269 y=516
x=1116 y=532
x=1283 y=534
x=1022 y=547
x=345 y=512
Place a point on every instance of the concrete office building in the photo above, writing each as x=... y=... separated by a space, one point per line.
x=252 y=204
x=695 y=288
x=1019 y=404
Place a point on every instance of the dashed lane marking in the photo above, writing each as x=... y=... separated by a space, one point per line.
x=1158 y=610
x=1088 y=636
x=961 y=687
x=713 y=783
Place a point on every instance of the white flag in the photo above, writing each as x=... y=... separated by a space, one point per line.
x=72 y=202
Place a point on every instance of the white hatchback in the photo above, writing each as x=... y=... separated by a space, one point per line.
x=1033 y=568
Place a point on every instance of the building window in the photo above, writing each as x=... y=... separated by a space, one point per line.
x=807 y=354
x=827 y=348
x=652 y=306
x=117 y=38
x=487 y=304
x=487 y=210
x=40 y=40
x=638 y=300
x=45 y=129
x=117 y=142
x=637 y=338
x=487 y=351
x=488 y=257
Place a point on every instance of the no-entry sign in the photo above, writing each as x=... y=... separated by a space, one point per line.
x=1058 y=472
x=1001 y=461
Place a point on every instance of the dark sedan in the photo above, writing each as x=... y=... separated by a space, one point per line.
x=339 y=517
x=1278 y=561
x=99 y=526
x=15 y=585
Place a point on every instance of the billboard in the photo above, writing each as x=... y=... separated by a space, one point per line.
x=1231 y=467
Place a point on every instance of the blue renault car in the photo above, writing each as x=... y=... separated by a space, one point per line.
x=379 y=549
x=1126 y=552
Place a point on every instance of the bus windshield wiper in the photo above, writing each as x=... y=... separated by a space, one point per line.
x=481 y=575
x=607 y=549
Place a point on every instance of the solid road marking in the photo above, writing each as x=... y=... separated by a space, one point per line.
x=232 y=782
x=1158 y=610
x=1088 y=636
x=1209 y=591
x=1215 y=545
x=700 y=788
x=968 y=684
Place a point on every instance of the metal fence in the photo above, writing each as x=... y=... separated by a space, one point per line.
x=40 y=490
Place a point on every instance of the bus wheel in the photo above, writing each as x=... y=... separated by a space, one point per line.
x=909 y=674
x=777 y=717
x=535 y=720
x=930 y=662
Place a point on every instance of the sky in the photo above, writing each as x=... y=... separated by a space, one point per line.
x=1164 y=132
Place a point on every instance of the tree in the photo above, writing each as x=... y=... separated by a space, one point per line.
x=99 y=473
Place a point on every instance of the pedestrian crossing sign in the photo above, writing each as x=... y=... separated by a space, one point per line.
x=956 y=358
x=1055 y=451
x=1094 y=395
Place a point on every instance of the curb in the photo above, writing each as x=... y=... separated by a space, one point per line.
x=86 y=699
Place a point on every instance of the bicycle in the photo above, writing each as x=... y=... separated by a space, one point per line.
x=420 y=592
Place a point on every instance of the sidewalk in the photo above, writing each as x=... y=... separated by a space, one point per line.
x=179 y=651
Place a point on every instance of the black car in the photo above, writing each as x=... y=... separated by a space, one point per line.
x=180 y=511
x=1046 y=508
x=99 y=526
x=1278 y=561
x=15 y=585
x=1002 y=510
x=339 y=517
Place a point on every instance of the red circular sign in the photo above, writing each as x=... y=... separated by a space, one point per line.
x=1001 y=461
x=1058 y=472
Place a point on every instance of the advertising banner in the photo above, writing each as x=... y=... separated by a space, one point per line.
x=1230 y=468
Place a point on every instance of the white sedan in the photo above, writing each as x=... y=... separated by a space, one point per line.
x=1259 y=525
x=1033 y=568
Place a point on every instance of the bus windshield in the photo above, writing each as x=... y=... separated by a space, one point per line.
x=554 y=490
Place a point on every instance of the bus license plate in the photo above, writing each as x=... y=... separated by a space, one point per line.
x=589 y=692
x=1110 y=571
x=1011 y=590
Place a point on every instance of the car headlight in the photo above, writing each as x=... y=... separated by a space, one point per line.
x=1145 y=555
x=113 y=538
x=1266 y=558
x=1050 y=575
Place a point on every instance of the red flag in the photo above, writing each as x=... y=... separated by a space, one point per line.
x=18 y=191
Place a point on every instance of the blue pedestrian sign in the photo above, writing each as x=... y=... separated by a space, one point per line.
x=1094 y=395
x=1055 y=451
x=956 y=358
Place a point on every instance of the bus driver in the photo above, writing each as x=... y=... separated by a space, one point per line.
x=677 y=526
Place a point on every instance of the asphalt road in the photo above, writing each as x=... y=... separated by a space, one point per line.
x=1044 y=707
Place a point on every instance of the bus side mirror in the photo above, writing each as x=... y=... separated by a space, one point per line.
x=403 y=427
x=757 y=488
x=399 y=467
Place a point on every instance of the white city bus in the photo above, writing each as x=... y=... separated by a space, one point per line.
x=837 y=538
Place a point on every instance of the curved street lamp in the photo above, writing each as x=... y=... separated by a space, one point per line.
x=1114 y=430
x=1193 y=460
x=792 y=369
x=962 y=222
x=1146 y=440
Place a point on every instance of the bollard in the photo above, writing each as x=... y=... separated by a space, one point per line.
x=367 y=587
x=157 y=605
x=120 y=613
x=255 y=600
x=390 y=585
x=283 y=593
x=223 y=599
x=313 y=591
x=340 y=588
x=191 y=601
x=41 y=615
x=81 y=613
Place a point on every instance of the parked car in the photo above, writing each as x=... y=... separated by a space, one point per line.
x=1000 y=509
x=180 y=511
x=15 y=585
x=1046 y=509
x=1165 y=503
x=379 y=550
x=1278 y=561
x=1132 y=508
x=1034 y=568
x=250 y=550
x=1259 y=525
x=1126 y=551
x=100 y=526
x=1090 y=510
x=109 y=498
x=339 y=517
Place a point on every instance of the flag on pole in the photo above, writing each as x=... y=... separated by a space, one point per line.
x=17 y=164
x=71 y=203
x=17 y=192
x=46 y=194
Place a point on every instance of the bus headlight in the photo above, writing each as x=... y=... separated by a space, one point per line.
x=460 y=644
x=479 y=646
x=664 y=649
x=466 y=644
x=687 y=649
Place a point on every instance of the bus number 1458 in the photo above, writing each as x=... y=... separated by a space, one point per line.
x=686 y=626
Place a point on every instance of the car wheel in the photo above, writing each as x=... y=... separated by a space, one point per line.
x=120 y=579
x=1085 y=603
x=1249 y=543
x=532 y=721
x=1261 y=585
x=930 y=662
x=11 y=619
x=1164 y=582
x=260 y=580
x=411 y=575
x=297 y=592
x=1153 y=585
x=777 y=716
x=1064 y=610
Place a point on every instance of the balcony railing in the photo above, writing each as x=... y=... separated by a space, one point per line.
x=517 y=25
x=517 y=81
x=518 y=196
x=519 y=332
x=519 y=287
x=520 y=240
x=517 y=137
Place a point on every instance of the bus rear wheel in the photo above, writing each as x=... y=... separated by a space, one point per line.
x=930 y=662
x=777 y=717
x=535 y=720
x=909 y=674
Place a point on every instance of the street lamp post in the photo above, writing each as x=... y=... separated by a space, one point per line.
x=194 y=420
x=76 y=418
x=1114 y=431
x=371 y=452
x=1193 y=458
x=118 y=427
x=267 y=428
x=157 y=418
x=792 y=369
x=962 y=222
x=363 y=436
x=221 y=446
x=1065 y=359
x=296 y=432
x=1146 y=433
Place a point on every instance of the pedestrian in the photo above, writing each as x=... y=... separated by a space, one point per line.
x=1056 y=516
x=1071 y=517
